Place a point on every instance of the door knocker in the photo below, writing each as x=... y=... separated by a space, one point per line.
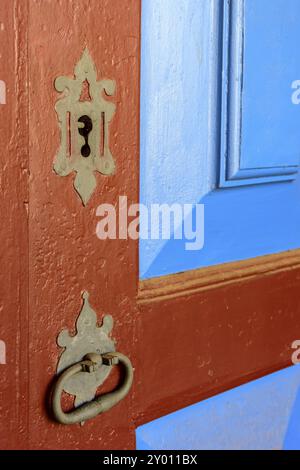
x=85 y=364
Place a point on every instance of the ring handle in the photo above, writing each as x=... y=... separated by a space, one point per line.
x=100 y=404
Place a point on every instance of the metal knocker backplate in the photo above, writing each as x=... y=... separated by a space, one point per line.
x=84 y=365
x=89 y=338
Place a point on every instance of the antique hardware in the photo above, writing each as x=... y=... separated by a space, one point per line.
x=84 y=116
x=90 y=364
x=85 y=364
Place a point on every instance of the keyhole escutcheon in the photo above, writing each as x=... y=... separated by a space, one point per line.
x=85 y=127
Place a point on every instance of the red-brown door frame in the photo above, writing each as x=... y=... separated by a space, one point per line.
x=50 y=252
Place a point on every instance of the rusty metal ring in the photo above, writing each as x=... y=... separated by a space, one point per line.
x=103 y=402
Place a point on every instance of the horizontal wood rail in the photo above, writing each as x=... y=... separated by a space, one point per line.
x=191 y=282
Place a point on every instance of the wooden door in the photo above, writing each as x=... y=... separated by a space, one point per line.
x=50 y=247
x=189 y=334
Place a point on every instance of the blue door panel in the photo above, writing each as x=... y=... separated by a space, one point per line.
x=270 y=121
x=261 y=415
x=255 y=223
x=191 y=87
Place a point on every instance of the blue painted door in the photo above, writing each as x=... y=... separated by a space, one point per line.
x=220 y=120
x=220 y=126
x=261 y=415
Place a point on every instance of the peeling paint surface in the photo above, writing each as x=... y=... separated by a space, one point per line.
x=49 y=246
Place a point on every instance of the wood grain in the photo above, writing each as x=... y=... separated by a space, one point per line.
x=191 y=282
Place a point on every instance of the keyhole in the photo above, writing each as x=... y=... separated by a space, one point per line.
x=84 y=131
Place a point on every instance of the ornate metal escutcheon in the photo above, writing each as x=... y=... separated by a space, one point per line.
x=84 y=365
x=84 y=116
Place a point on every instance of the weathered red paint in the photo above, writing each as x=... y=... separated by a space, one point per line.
x=14 y=232
x=204 y=343
x=65 y=256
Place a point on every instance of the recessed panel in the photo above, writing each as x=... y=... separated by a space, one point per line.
x=271 y=64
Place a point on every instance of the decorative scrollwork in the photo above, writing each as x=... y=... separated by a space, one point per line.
x=89 y=338
x=84 y=116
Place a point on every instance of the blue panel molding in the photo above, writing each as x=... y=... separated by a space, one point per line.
x=233 y=171
x=181 y=94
